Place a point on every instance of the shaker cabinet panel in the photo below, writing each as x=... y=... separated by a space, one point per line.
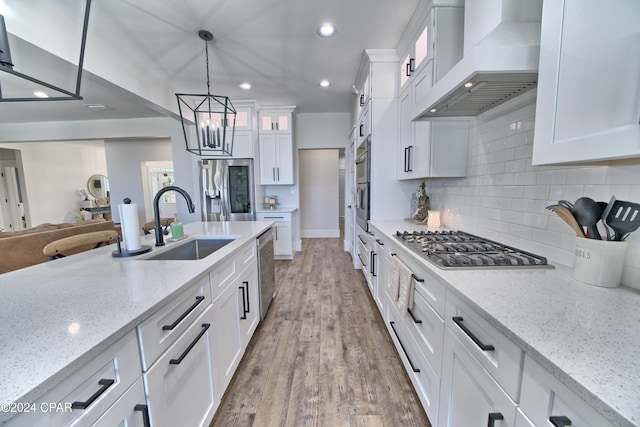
x=588 y=101
x=276 y=159
x=130 y=410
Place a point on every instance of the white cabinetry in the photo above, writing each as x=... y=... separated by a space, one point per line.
x=129 y=410
x=276 y=146
x=245 y=131
x=546 y=401
x=282 y=233
x=90 y=392
x=588 y=101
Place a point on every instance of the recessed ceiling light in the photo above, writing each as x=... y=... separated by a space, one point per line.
x=468 y=84
x=245 y=85
x=97 y=107
x=433 y=110
x=325 y=83
x=327 y=29
x=40 y=94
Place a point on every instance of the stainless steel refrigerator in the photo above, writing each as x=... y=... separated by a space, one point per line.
x=227 y=190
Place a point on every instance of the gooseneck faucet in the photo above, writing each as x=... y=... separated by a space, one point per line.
x=156 y=209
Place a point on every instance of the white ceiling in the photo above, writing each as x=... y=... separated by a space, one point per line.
x=271 y=44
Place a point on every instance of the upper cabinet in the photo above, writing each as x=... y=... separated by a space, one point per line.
x=276 y=146
x=430 y=149
x=245 y=135
x=588 y=102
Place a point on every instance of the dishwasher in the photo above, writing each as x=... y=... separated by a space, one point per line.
x=266 y=271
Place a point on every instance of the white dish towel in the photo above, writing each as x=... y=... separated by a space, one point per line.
x=394 y=279
x=405 y=291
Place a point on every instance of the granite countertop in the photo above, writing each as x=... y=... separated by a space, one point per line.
x=586 y=336
x=104 y=297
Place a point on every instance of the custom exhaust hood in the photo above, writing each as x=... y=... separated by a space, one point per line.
x=500 y=61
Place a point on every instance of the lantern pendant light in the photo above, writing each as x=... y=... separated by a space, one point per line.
x=208 y=121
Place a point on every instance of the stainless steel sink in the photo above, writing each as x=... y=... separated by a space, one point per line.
x=192 y=250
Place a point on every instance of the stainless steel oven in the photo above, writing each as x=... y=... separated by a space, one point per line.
x=362 y=205
x=363 y=156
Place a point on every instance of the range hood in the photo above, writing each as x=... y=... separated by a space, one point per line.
x=500 y=61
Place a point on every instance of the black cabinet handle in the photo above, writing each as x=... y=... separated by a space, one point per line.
x=248 y=306
x=104 y=385
x=560 y=421
x=361 y=101
x=378 y=241
x=177 y=361
x=244 y=306
x=145 y=414
x=406 y=158
x=362 y=130
x=278 y=173
x=362 y=241
x=483 y=347
x=410 y=161
x=403 y=349
x=172 y=326
x=413 y=317
x=364 y=264
x=373 y=263
x=493 y=417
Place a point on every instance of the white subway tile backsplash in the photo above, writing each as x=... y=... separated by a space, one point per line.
x=504 y=197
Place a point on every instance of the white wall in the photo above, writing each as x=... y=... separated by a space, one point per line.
x=54 y=173
x=322 y=130
x=503 y=197
x=125 y=163
x=319 y=201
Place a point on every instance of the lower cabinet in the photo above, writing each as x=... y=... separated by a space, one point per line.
x=282 y=233
x=180 y=386
x=546 y=401
x=470 y=396
x=130 y=410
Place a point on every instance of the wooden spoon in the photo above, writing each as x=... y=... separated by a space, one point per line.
x=566 y=215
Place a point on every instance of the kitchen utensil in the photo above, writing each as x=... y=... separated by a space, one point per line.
x=566 y=204
x=588 y=213
x=566 y=215
x=605 y=214
x=624 y=218
x=605 y=211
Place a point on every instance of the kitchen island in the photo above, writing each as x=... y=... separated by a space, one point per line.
x=582 y=337
x=59 y=315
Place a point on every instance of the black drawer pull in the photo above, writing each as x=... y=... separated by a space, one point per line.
x=172 y=326
x=244 y=299
x=483 y=347
x=145 y=414
x=362 y=240
x=560 y=421
x=364 y=264
x=248 y=306
x=493 y=417
x=413 y=317
x=379 y=242
x=105 y=384
x=177 y=361
x=403 y=349
x=417 y=279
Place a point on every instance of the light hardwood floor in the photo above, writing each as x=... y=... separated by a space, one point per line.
x=322 y=356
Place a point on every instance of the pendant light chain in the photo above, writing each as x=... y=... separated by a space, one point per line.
x=206 y=54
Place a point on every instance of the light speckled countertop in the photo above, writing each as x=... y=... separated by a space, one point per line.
x=103 y=296
x=278 y=209
x=587 y=336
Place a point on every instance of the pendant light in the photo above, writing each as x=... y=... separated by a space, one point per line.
x=212 y=116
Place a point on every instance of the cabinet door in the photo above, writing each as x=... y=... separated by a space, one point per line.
x=282 y=243
x=405 y=140
x=268 y=160
x=284 y=161
x=130 y=410
x=226 y=334
x=588 y=101
x=180 y=385
x=276 y=122
x=470 y=397
x=243 y=144
x=544 y=397
x=250 y=304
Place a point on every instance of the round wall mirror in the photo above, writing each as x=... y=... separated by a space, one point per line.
x=98 y=186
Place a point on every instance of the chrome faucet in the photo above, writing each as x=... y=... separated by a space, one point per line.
x=156 y=209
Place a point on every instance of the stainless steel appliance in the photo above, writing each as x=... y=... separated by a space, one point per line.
x=266 y=273
x=227 y=190
x=363 y=184
x=457 y=249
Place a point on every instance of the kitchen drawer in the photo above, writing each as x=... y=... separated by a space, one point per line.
x=425 y=380
x=543 y=396
x=522 y=420
x=97 y=384
x=503 y=362
x=161 y=330
x=180 y=385
x=225 y=273
x=130 y=410
x=431 y=289
x=427 y=329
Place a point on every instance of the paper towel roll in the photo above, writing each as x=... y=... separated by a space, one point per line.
x=130 y=226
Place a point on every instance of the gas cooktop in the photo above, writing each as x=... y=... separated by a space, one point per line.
x=457 y=249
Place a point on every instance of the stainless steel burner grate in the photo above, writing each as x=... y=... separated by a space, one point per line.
x=457 y=249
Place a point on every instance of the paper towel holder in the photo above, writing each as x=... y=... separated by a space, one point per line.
x=119 y=253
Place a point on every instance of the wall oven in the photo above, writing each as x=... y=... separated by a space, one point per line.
x=363 y=154
x=362 y=205
x=363 y=186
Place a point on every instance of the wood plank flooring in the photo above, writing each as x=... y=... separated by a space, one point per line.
x=322 y=356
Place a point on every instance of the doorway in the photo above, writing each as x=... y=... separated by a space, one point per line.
x=157 y=175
